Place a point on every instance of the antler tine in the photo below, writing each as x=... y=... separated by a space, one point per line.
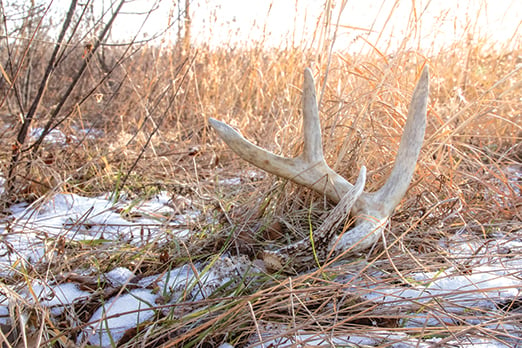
x=395 y=187
x=373 y=209
x=313 y=145
x=252 y=153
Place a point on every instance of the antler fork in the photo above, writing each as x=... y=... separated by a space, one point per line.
x=371 y=209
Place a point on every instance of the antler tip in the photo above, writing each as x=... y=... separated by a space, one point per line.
x=224 y=131
x=217 y=125
x=213 y=121
x=425 y=74
x=308 y=77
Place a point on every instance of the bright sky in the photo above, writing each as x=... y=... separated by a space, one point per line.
x=383 y=23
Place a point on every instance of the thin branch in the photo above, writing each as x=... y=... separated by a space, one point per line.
x=22 y=133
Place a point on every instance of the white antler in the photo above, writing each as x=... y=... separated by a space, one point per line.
x=310 y=169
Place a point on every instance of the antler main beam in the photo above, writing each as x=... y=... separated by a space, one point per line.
x=310 y=169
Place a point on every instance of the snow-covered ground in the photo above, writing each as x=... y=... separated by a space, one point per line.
x=75 y=218
x=488 y=278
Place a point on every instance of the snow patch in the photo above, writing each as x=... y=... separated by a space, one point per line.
x=55 y=297
x=71 y=217
x=110 y=321
x=119 y=276
x=55 y=136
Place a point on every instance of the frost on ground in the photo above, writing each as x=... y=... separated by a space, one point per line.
x=484 y=283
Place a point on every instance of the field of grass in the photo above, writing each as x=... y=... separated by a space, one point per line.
x=135 y=123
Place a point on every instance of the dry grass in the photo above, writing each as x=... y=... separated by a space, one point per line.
x=151 y=115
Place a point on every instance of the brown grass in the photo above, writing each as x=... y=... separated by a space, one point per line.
x=152 y=117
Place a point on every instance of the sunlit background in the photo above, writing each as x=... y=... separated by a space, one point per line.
x=384 y=25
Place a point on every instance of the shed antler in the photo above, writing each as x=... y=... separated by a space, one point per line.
x=371 y=210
